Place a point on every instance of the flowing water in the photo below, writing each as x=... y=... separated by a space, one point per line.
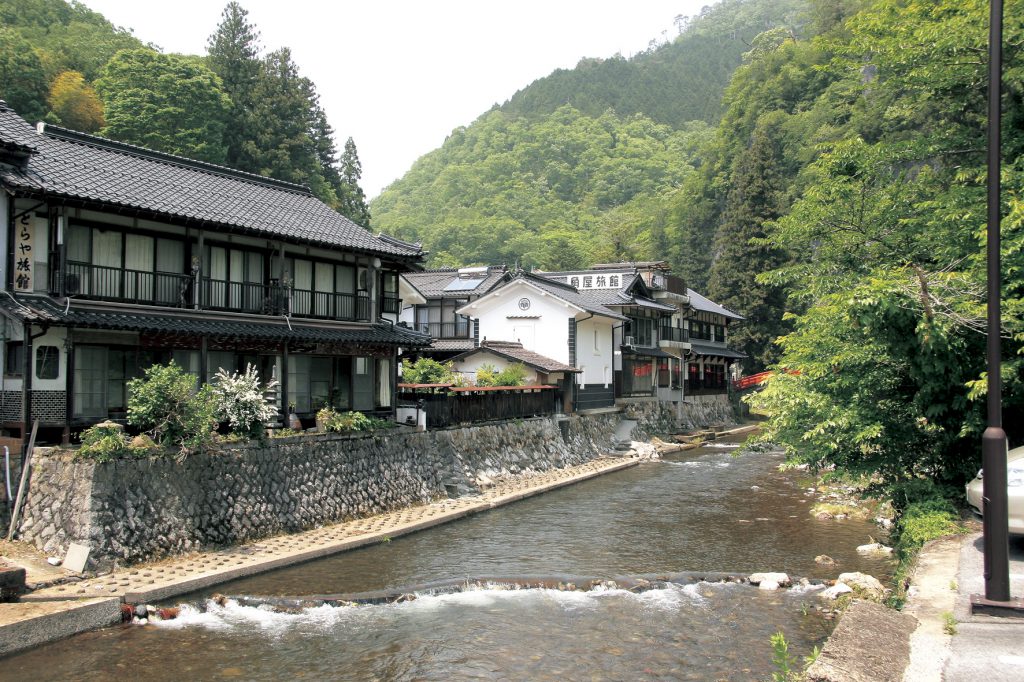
x=706 y=510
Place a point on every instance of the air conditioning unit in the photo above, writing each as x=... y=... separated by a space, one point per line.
x=72 y=284
x=629 y=341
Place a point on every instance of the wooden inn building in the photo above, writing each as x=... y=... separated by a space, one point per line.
x=119 y=257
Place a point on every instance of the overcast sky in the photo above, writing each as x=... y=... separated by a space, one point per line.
x=398 y=76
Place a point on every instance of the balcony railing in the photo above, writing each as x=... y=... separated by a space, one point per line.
x=390 y=303
x=106 y=283
x=330 y=305
x=674 y=334
x=444 y=330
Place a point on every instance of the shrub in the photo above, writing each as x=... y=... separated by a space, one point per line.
x=513 y=375
x=924 y=521
x=165 y=404
x=427 y=371
x=350 y=421
x=106 y=441
x=241 y=404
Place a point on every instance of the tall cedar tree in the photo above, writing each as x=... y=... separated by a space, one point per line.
x=353 y=201
x=754 y=199
x=233 y=54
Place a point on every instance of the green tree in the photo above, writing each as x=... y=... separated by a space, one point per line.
x=22 y=80
x=353 y=201
x=233 y=54
x=75 y=104
x=165 y=102
x=741 y=252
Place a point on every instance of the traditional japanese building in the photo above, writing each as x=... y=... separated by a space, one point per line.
x=431 y=298
x=119 y=257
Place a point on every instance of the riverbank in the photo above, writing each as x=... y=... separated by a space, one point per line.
x=33 y=620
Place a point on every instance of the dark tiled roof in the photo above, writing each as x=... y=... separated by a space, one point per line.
x=450 y=345
x=512 y=350
x=712 y=350
x=626 y=294
x=699 y=302
x=39 y=309
x=116 y=176
x=15 y=133
x=432 y=283
x=568 y=294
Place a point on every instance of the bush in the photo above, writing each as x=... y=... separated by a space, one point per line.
x=106 y=441
x=924 y=521
x=165 y=404
x=513 y=375
x=350 y=421
x=241 y=404
x=427 y=371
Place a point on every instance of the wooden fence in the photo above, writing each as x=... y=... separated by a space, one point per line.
x=451 y=406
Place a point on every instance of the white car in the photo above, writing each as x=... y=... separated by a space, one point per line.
x=1014 y=490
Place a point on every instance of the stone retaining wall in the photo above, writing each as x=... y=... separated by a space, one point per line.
x=655 y=418
x=135 y=510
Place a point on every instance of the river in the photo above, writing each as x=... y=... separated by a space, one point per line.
x=705 y=510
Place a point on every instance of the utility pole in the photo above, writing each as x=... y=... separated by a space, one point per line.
x=993 y=441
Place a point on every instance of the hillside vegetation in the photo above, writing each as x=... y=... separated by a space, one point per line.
x=65 y=64
x=838 y=202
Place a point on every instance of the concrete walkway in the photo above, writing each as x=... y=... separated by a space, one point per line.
x=31 y=621
x=951 y=644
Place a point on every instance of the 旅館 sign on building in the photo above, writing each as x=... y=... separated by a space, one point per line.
x=23 y=254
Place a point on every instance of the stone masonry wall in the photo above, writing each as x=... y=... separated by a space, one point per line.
x=657 y=418
x=133 y=510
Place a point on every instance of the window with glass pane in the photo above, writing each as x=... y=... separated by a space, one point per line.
x=90 y=381
x=383 y=383
x=320 y=370
x=14 y=358
x=362 y=384
x=138 y=262
x=106 y=264
x=47 y=362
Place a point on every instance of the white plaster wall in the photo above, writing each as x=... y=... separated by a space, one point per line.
x=469 y=366
x=547 y=332
x=596 y=361
x=53 y=337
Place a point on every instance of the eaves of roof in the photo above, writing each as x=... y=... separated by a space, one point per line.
x=44 y=310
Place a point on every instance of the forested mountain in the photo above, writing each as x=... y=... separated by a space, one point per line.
x=65 y=64
x=562 y=185
x=673 y=82
x=839 y=203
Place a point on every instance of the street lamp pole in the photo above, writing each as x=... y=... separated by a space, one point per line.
x=993 y=441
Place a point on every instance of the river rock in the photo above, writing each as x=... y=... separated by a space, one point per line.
x=836 y=591
x=874 y=548
x=864 y=585
x=824 y=560
x=769 y=581
x=643 y=450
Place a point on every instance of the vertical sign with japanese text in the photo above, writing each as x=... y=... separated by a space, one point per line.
x=23 y=265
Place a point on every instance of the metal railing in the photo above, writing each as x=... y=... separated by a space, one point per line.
x=246 y=297
x=674 y=334
x=105 y=283
x=390 y=303
x=444 y=330
x=330 y=305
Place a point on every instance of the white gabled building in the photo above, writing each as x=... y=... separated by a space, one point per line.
x=555 y=321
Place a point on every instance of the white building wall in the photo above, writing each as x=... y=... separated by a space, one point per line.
x=542 y=327
x=594 y=351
